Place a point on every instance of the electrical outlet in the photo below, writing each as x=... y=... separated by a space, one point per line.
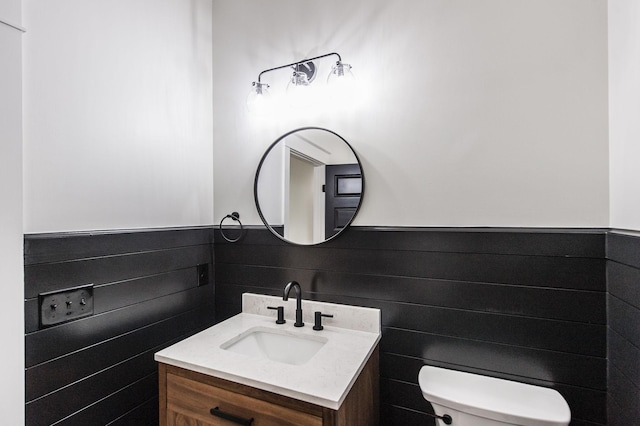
x=65 y=305
x=203 y=274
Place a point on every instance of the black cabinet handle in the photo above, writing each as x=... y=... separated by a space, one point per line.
x=226 y=416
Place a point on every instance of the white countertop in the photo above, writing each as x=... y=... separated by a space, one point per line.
x=325 y=380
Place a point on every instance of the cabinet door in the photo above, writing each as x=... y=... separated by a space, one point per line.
x=189 y=403
x=178 y=419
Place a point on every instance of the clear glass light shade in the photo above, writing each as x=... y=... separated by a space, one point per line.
x=299 y=91
x=341 y=74
x=258 y=97
x=341 y=83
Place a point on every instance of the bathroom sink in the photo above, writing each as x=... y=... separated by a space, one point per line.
x=276 y=345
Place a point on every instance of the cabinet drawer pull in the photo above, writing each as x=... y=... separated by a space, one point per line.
x=226 y=416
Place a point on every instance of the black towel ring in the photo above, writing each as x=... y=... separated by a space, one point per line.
x=236 y=217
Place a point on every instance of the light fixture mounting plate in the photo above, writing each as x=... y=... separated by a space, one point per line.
x=307 y=67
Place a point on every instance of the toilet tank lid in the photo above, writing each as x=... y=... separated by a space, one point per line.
x=494 y=398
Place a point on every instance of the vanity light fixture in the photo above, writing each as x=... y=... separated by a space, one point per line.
x=299 y=86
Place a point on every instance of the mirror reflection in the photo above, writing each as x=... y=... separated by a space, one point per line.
x=308 y=186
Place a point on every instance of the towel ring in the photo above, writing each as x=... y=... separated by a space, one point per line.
x=236 y=217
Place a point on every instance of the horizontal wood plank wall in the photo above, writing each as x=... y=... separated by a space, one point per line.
x=100 y=369
x=623 y=276
x=527 y=305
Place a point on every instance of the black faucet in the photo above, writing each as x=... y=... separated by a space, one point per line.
x=285 y=296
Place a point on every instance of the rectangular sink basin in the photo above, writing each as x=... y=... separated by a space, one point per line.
x=277 y=345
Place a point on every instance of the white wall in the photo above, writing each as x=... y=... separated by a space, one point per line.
x=11 y=12
x=118 y=116
x=474 y=112
x=11 y=265
x=624 y=112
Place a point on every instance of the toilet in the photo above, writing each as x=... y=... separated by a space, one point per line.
x=465 y=399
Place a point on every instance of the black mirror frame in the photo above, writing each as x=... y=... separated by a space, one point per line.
x=255 y=186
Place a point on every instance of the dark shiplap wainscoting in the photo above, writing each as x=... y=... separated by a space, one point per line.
x=623 y=279
x=527 y=305
x=100 y=370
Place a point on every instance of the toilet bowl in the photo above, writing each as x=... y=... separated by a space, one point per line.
x=474 y=400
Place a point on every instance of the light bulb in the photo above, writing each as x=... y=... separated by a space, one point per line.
x=299 y=92
x=258 y=97
x=341 y=83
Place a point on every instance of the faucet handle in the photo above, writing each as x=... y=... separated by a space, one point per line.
x=280 y=310
x=318 y=320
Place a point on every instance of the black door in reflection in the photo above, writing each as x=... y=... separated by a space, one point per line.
x=343 y=189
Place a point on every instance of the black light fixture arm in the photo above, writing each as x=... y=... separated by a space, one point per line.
x=295 y=64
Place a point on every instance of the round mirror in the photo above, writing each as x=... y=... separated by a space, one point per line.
x=308 y=186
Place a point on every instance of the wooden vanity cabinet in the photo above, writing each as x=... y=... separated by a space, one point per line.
x=186 y=398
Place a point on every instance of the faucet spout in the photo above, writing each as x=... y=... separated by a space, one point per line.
x=285 y=297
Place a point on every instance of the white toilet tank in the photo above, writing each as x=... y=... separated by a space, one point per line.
x=475 y=400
